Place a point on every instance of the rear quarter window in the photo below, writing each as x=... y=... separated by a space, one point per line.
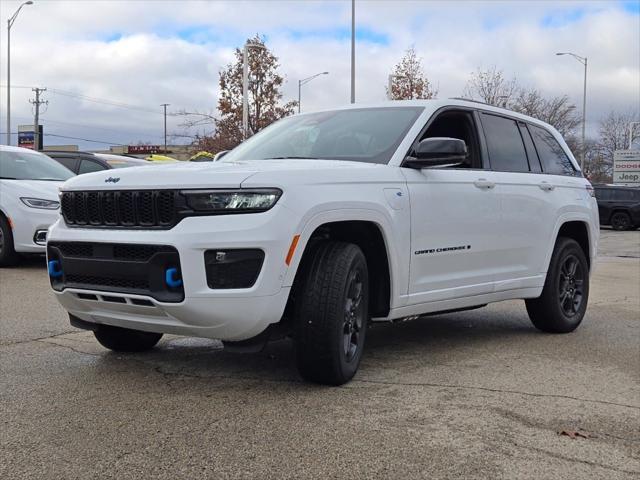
x=553 y=157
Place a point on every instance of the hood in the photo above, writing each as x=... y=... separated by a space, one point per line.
x=171 y=175
x=45 y=189
x=199 y=174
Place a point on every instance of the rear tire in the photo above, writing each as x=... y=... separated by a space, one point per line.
x=621 y=221
x=121 y=339
x=563 y=302
x=8 y=255
x=331 y=313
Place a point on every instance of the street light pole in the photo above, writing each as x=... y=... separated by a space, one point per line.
x=304 y=81
x=10 y=22
x=245 y=87
x=353 y=51
x=165 y=105
x=583 y=61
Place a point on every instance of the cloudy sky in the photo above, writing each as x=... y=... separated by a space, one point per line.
x=108 y=65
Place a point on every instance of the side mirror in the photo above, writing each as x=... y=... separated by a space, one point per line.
x=438 y=151
x=219 y=155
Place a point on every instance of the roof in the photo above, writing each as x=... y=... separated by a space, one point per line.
x=435 y=104
x=9 y=148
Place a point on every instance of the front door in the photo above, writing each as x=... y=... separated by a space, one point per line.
x=455 y=213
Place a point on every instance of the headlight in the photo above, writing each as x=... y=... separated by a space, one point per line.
x=232 y=201
x=40 y=203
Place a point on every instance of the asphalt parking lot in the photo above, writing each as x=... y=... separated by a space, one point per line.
x=479 y=394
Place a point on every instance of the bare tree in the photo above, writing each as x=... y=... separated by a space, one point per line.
x=491 y=86
x=409 y=79
x=556 y=111
x=598 y=166
x=614 y=131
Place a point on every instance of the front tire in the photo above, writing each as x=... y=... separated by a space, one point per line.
x=621 y=221
x=121 y=339
x=331 y=313
x=8 y=255
x=563 y=302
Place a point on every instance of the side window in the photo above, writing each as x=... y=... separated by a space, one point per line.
x=624 y=195
x=506 y=150
x=554 y=159
x=70 y=163
x=87 y=166
x=532 y=155
x=602 y=194
x=461 y=125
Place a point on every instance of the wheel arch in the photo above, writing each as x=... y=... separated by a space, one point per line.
x=579 y=231
x=370 y=237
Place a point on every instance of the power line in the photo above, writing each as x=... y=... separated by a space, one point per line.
x=84 y=139
x=103 y=101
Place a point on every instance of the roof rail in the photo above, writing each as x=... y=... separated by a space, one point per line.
x=473 y=101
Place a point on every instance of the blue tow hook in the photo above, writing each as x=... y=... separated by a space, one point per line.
x=171 y=278
x=55 y=271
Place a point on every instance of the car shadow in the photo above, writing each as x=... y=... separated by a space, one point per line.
x=32 y=262
x=432 y=339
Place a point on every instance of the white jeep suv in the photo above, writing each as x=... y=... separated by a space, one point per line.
x=325 y=222
x=29 y=203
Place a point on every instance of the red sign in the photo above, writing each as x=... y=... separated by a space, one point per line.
x=145 y=149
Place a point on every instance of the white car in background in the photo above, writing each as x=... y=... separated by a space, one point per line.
x=29 y=203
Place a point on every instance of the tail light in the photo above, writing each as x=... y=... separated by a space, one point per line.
x=590 y=189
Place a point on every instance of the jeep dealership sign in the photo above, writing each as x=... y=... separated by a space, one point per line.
x=626 y=167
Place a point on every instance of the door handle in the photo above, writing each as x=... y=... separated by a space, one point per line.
x=546 y=186
x=484 y=184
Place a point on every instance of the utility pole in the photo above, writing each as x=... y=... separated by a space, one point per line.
x=165 y=105
x=353 y=51
x=36 y=118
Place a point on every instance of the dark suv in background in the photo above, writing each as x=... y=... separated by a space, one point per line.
x=86 y=162
x=618 y=206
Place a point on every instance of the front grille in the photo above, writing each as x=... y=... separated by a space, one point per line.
x=122 y=209
x=99 y=281
x=117 y=251
x=76 y=249
x=117 y=267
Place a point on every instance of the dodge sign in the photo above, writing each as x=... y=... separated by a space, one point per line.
x=626 y=167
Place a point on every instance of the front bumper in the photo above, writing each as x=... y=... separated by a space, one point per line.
x=29 y=226
x=226 y=314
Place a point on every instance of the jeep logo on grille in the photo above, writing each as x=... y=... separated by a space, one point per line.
x=112 y=180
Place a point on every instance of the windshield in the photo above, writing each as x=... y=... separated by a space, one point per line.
x=31 y=166
x=369 y=135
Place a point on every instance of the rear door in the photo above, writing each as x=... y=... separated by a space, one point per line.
x=527 y=202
